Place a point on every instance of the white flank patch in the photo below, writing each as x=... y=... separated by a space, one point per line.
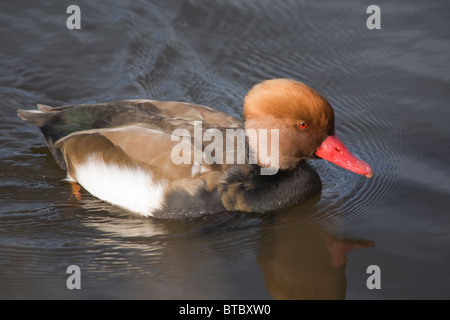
x=133 y=189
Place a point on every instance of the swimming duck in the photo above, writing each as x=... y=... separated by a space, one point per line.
x=136 y=154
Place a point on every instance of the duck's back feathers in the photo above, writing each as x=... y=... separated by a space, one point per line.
x=122 y=121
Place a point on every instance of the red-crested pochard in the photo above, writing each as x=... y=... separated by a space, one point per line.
x=123 y=152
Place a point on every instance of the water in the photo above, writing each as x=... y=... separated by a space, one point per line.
x=390 y=92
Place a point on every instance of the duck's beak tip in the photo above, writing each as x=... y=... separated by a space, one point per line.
x=334 y=150
x=370 y=174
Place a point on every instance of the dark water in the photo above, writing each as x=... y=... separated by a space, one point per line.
x=390 y=89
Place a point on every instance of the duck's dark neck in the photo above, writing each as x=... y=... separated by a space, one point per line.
x=260 y=193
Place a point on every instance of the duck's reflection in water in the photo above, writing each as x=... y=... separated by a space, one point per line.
x=300 y=260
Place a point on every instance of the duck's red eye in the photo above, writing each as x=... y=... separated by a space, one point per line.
x=302 y=125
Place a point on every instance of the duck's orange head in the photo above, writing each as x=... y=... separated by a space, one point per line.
x=305 y=123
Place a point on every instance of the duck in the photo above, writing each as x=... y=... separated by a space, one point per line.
x=148 y=156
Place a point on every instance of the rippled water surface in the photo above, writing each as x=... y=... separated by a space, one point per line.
x=390 y=90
